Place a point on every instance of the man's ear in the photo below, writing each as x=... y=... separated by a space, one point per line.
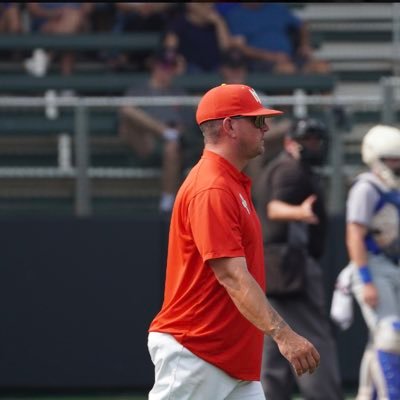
x=228 y=128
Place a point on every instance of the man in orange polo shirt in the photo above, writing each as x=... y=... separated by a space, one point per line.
x=206 y=342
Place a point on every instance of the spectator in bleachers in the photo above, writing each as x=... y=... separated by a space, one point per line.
x=234 y=66
x=274 y=38
x=138 y=17
x=10 y=18
x=200 y=34
x=10 y=23
x=142 y=17
x=102 y=17
x=59 y=18
x=151 y=130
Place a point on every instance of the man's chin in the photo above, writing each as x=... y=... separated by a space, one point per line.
x=258 y=153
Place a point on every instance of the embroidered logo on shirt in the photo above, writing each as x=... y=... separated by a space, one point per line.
x=244 y=203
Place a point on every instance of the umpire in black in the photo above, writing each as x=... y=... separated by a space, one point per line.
x=291 y=208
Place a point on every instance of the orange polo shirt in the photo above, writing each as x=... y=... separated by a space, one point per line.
x=213 y=217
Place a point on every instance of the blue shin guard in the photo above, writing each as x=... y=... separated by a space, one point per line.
x=387 y=345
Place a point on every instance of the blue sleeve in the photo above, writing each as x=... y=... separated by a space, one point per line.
x=225 y=8
x=292 y=19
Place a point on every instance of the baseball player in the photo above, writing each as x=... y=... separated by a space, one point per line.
x=373 y=209
x=206 y=342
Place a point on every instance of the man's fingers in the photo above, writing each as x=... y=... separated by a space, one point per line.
x=313 y=363
x=309 y=362
x=311 y=199
x=297 y=367
x=315 y=355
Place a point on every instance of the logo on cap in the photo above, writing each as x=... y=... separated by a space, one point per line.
x=255 y=95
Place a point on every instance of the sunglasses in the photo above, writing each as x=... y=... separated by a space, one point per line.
x=258 y=120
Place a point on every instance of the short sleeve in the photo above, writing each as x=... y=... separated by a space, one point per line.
x=361 y=202
x=285 y=184
x=215 y=223
x=293 y=20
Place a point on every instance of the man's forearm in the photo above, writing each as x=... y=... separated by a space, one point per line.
x=248 y=296
x=355 y=234
x=142 y=118
x=279 y=210
x=250 y=300
x=253 y=305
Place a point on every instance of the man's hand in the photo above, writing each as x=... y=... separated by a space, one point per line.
x=370 y=295
x=300 y=353
x=306 y=206
x=281 y=211
x=276 y=56
x=305 y=51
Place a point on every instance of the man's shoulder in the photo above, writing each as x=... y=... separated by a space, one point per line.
x=369 y=181
x=285 y=164
x=202 y=185
x=208 y=174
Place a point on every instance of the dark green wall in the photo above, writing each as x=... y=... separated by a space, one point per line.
x=76 y=298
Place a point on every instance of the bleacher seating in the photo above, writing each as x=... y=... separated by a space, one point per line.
x=117 y=83
x=90 y=41
x=356 y=38
x=28 y=138
x=362 y=43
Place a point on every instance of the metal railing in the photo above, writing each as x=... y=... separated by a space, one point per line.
x=386 y=102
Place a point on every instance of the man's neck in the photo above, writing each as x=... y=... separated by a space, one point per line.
x=229 y=156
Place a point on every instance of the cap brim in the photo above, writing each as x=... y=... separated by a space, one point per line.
x=267 y=112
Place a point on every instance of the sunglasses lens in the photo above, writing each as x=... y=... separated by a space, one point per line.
x=259 y=121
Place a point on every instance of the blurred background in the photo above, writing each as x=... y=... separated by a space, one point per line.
x=89 y=96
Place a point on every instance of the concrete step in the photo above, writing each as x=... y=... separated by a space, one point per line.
x=357 y=51
x=346 y=11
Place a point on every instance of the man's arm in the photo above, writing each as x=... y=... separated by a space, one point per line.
x=223 y=35
x=140 y=117
x=38 y=11
x=257 y=53
x=355 y=234
x=305 y=48
x=278 y=210
x=247 y=295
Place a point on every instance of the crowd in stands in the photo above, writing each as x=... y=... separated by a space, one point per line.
x=270 y=35
x=10 y=19
x=230 y=39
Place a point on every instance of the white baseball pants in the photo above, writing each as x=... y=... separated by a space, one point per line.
x=181 y=375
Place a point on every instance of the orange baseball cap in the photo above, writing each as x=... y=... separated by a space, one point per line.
x=231 y=100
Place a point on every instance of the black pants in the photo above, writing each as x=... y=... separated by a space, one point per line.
x=307 y=316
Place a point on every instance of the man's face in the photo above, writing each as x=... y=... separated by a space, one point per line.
x=393 y=163
x=250 y=137
x=312 y=149
x=312 y=143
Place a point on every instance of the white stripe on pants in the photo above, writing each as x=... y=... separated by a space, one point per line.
x=181 y=375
